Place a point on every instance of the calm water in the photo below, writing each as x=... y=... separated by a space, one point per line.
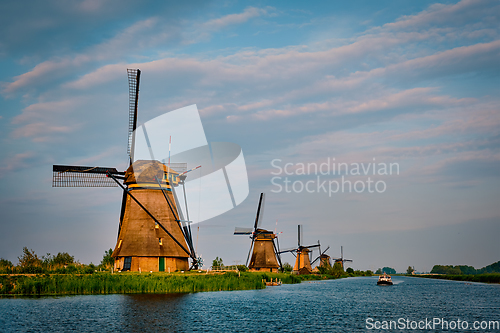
x=326 y=306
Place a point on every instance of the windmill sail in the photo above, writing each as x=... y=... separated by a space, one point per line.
x=243 y=231
x=83 y=176
x=321 y=255
x=134 y=76
x=260 y=211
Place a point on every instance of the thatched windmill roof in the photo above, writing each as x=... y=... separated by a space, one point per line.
x=144 y=171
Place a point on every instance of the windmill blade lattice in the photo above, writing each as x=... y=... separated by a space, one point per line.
x=134 y=77
x=83 y=176
x=260 y=212
x=243 y=231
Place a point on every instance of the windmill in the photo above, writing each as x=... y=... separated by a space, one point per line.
x=324 y=259
x=265 y=254
x=152 y=232
x=302 y=262
x=341 y=260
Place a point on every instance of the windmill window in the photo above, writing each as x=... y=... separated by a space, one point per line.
x=127 y=263
x=119 y=243
x=156 y=225
x=161 y=241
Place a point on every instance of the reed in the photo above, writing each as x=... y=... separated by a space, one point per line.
x=105 y=283
x=137 y=283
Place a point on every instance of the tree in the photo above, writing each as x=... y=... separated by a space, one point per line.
x=29 y=259
x=453 y=270
x=29 y=262
x=379 y=271
x=287 y=268
x=63 y=259
x=493 y=268
x=438 y=269
x=388 y=270
x=410 y=270
x=5 y=266
x=217 y=263
x=107 y=260
x=4 y=263
x=337 y=270
x=350 y=270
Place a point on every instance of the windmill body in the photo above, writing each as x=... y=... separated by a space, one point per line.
x=325 y=260
x=263 y=255
x=142 y=245
x=302 y=262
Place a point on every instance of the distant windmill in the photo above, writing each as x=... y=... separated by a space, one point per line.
x=341 y=260
x=265 y=257
x=302 y=261
x=324 y=259
x=152 y=233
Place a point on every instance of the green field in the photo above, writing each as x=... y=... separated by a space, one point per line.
x=133 y=283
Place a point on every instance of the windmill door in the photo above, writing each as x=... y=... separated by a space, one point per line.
x=162 y=264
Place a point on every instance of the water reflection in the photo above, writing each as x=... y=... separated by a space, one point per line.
x=150 y=313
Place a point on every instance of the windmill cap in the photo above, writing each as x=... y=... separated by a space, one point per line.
x=265 y=234
x=144 y=171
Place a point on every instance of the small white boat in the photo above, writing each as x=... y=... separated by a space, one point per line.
x=384 y=280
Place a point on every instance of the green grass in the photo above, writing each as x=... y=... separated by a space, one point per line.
x=105 y=283
x=136 y=283
x=487 y=278
x=124 y=283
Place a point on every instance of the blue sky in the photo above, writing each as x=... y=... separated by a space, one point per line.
x=413 y=83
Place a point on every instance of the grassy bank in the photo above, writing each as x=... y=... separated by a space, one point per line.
x=124 y=283
x=487 y=278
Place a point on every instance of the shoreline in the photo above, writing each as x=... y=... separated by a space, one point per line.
x=483 y=278
x=103 y=283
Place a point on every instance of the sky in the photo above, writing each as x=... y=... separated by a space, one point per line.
x=414 y=84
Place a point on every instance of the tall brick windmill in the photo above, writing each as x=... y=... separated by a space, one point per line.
x=152 y=233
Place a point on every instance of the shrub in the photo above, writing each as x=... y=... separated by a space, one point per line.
x=242 y=268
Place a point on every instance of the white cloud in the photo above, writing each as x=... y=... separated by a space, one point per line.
x=43 y=73
x=115 y=48
x=40 y=131
x=17 y=162
x=141 y=35
x=231 y=19
x=42 y=110
x=458 y=14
